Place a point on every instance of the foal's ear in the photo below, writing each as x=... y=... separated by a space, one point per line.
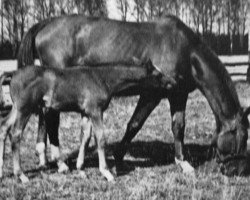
x=153 y=68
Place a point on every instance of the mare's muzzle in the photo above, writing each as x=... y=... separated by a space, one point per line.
x=234 y=165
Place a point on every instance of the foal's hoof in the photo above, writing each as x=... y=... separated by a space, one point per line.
x=107 y=174
x=82 y=174
x=24 y=179
x=111 y=179
x=63 y=168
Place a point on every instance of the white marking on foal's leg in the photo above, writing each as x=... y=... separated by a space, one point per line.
x=40 y=149
x=55 y=152
x=103 y=166
x=62 y=167
x=185 y=166
x=23 y=178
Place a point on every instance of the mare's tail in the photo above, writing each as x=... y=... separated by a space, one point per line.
x=27 y=50
x=5 y=79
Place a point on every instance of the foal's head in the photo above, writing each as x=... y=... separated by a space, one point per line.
x=154 y=75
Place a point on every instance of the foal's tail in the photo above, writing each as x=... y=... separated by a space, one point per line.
x=5 y=79
x=27 y=50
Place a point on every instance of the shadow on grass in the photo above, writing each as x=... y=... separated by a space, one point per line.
x=141 y=154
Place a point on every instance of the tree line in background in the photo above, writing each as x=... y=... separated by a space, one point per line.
x=222 y=23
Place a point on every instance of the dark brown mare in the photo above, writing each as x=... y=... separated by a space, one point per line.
x=80 y=89
x=173 y=47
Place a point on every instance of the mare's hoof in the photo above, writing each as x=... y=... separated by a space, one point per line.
x=236 y=167
x=24 y=179
x=63 y=168
x=122 y=168
x=185 y=166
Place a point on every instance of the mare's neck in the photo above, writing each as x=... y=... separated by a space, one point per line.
x=217 y=86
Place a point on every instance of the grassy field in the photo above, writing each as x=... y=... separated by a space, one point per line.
x=151 y=156
x=153 y=173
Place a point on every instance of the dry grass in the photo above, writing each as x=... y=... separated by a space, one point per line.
x=155 y=176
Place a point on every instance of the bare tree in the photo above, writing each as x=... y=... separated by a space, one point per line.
x=44 y=9
x=65 y=7
x=123 y=7
x=139 y=10
x=92 y=7
x=244 y=9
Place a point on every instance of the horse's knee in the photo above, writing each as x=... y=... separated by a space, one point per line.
x=178 y=124
x=133 y=126
x=15 y=139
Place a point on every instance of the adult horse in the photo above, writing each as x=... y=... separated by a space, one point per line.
x=185 y=60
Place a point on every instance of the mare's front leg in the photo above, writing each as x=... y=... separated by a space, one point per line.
x=86 y=129
x=98 y=130
x=145 y=106
x=178 y=106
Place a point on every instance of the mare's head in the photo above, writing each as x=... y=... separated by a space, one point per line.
x=232 y=146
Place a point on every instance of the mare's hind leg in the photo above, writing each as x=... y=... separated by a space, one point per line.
x=6 y=124
x=52 y=125
x=15 y=137
x=86 y=129
x=49 y=124
x=145 y=106
x=98 y=130
x=177 y=106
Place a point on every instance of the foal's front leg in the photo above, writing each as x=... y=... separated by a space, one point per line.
x=41 y=142
x=98 y=129
x=86 y=129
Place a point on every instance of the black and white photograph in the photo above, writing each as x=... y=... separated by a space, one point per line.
x=124 y=99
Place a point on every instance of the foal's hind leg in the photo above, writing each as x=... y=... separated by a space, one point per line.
x=6 y=124
x=86 y=129
x=98 y=131
x=177 y=106
x=15 y=137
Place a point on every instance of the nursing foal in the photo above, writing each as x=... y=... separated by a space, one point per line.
x=81 y=89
